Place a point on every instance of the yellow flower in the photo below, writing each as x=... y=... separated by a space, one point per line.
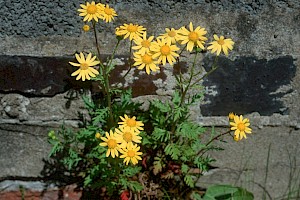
x=86 y=28
x=98 y=135
x=131 y=153
x=221 y=44
x=108 y=13
x=112 y=141
x=142 y=43
x=131 y=123
x=128 y=135
x=193 y=38
x=91 y=11
x=231 y=116
x=145 y=60
x=164 y=51
x=240 y=127
x=130 y=30
x=171 y=35
x=85 y=70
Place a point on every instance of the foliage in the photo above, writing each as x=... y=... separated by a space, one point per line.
x=227 y=192
x=155 y=153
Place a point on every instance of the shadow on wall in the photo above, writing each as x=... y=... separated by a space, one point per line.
x=247 y=85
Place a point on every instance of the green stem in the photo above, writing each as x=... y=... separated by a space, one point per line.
x=106 y=84
x=129 y=61
x=97 y=44
x=184 y=90
x=114 y=52
x=189 y=81
x=213 y=68
x=213 y=139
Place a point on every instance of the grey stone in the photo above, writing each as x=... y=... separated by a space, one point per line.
x=263 y=30
x=245 y=163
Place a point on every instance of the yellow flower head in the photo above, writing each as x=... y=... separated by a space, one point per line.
x=91 y=11
x=142 y=43
x=128 y=135
x=130 y=30
x=171 y=35
x=221 y=44
x=193 y=37
x=112 y=141
x=147 y=61
x=108 y=13
x=131 y=153
x=240 y=126
x=164 y=51
x=98 y=135
x=85 y=70
x=85 y=28
x=231 y=116
x=131 y=123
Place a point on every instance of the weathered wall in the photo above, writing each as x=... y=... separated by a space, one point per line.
x=260 y=78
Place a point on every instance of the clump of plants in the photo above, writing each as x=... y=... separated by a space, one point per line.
x=128 y=152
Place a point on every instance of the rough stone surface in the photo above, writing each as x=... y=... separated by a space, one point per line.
x=244 y=163
x=12 y=190
x=264 y=32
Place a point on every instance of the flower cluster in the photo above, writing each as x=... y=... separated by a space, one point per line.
x=239 y=125
x=150 y=53
x=124 y=139
x=93 y=11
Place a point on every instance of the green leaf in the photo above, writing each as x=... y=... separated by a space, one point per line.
x=101 y=116
x=179 y=112
x=126 y=97
x=173 y=150
x=162 y=107
x=57 y=147
x=130 y=171
x=227 y=192
x=134 y=186
x=161 y=135
x=190 y=130
x=88 y=102
x=157 y=165
x=184 y=168
x=176 y=98
x=188 y=179
x=203 y=162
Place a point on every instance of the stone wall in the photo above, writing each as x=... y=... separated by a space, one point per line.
x=260 y=79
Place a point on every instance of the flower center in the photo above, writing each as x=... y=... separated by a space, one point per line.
x=241 y=126
x=131 y=122
x=84 y=66
x=131 y=153
x=91 y=9
x=108 y=11
x=193 y=36
x=221 y=42
x=165 y=50
x=112 y=143
x=131 y=28
x=145 y=43
x=172 y=33
x=146 y=59
x=127 y=136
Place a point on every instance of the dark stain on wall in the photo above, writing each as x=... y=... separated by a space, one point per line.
x=247 y=85
x=48 y=76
